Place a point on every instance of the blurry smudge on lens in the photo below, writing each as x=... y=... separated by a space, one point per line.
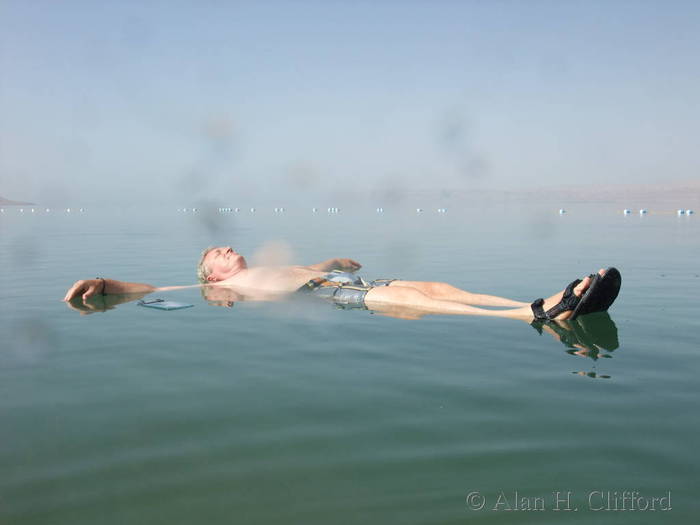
x=209 y=221
x=457 y=138
x=302 y=176
x=30 y=340
x=273 y=253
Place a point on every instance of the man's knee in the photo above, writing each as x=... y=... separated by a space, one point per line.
x=434 y=288
x=426 y=287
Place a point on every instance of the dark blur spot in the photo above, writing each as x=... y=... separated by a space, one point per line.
x=475 y=166
x=218 y=130
x=389 y=190
x=542 y=225
x=302 y=176
x=453 y=130
x=456 y=136
x=24 y=254
x=192 y=182
x=210 y=220
x=31 y=339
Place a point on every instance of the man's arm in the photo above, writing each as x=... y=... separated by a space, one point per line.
x=347 y=265
x=89 y=287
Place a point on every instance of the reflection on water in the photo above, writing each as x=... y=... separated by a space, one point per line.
x=593 y=336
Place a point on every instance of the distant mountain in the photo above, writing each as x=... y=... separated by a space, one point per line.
x=8 y=202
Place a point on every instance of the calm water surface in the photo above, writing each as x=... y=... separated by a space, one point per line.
x=303 y=413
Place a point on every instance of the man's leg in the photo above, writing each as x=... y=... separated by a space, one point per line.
x=447 y=292
x=383 y=296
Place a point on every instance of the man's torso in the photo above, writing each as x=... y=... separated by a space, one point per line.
x=273 y=279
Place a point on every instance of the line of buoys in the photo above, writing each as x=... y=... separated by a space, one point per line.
x=335 y=210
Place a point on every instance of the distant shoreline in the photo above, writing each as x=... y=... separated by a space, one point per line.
x=8 y=202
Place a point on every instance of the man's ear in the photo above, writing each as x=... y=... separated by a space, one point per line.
x=211 y=278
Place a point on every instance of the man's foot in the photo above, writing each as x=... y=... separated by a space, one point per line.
x=561 y=305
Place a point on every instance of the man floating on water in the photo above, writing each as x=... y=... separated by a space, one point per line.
x=336 y=281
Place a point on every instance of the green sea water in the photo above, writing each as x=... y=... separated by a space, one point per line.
x=304 y=413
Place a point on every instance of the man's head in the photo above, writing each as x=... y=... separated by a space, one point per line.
x=219 y=263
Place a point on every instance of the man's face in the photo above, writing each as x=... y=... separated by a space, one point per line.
x=223 y=262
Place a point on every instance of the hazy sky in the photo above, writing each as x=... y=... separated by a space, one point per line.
x=176 y=101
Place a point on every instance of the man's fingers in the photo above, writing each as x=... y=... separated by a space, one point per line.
x=90 y=291
x=73 y=292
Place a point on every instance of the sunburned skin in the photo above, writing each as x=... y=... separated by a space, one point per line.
x=284 y=279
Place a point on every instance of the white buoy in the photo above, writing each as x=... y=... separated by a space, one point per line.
x=626 y=211
x=2 y=210
x=237 y=210
x=643 y=211
x=21 y=210
x=562 y=211
x=689 y=212
x=419 y=210
x=32 y=210
x=67 y=210
x=82 y=210
x=252 y=210
x=314 y=210
x=680 y=212
x=380 y=210
x=48 y=210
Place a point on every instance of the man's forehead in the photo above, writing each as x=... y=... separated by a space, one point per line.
x=212 y=252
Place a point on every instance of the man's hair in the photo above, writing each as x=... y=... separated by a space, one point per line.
x=203 y=270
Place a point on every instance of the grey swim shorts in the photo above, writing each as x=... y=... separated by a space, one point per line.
x=344 y=289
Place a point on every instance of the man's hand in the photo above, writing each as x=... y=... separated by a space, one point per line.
x=87 y=288
x=347 y=265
